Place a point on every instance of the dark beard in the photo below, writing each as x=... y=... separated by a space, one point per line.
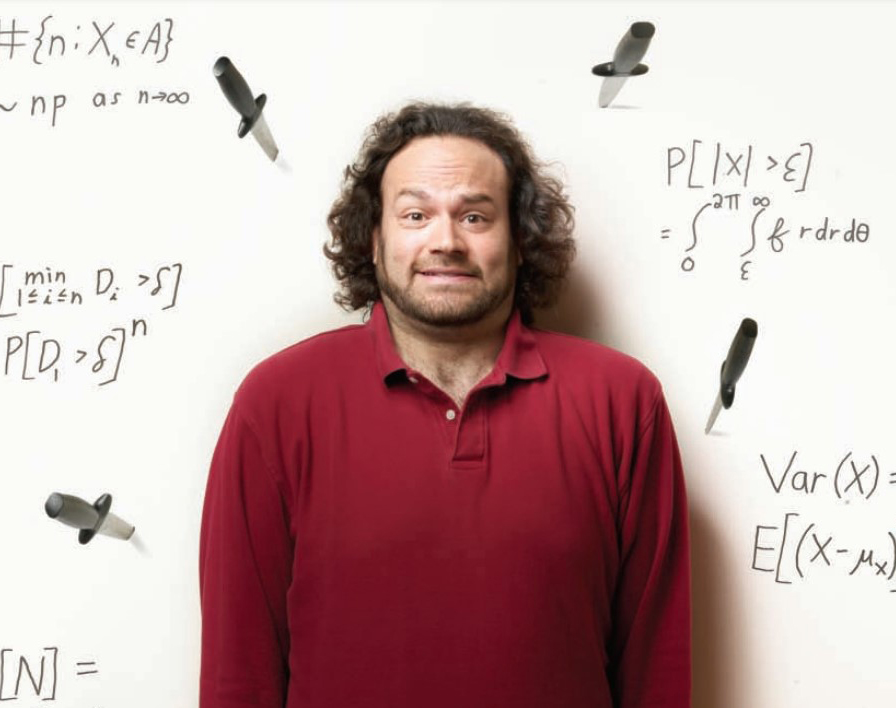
x=443 y=314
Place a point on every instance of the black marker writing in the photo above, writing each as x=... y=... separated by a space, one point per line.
x=854 y=476
x=9 y=36
x=38 y=354
x=49 y=107
x=23 y=677
x=104 y=39
x=36 y=676
x=794 y=552
x=696 y=168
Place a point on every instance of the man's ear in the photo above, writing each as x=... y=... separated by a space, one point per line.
x=375 y=239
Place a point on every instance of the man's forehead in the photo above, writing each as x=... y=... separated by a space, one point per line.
x=426 y=166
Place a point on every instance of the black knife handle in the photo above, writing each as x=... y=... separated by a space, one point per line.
x=736 y=361
x=632 y=47
x=235 y=88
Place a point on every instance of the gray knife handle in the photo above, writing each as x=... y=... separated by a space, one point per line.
x=74 y=511
x=71 y=510
x=632 y=47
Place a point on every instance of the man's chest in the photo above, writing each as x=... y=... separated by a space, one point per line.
x=402 y=508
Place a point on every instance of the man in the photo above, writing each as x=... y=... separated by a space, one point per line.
x=444 y=507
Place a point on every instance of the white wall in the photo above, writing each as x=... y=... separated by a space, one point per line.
x=135 y=187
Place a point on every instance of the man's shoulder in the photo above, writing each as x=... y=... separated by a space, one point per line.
x=319 y=357
x=585 y=361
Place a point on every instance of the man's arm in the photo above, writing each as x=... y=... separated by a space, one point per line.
x=245 y=563
x=650 y=648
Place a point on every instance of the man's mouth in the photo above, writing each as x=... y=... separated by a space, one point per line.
x=447 y=275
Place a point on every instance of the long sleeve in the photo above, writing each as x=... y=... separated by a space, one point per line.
x=245 y=561
x=650 y=648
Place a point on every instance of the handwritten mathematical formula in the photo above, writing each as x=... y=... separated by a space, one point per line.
x=34 y=354
x=37 y=676
x=726 y=173
x=794 y=549
x=49 y=108
x=854 y=477
x=54 y=39
x=48 y=286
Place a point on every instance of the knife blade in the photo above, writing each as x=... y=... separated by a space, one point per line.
x=238 y=94
x=716 y=407
x=609 y=89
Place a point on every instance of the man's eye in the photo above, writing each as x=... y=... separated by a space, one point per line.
x=413 y=215
x=478 y=218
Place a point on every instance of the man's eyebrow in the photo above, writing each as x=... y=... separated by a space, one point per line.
x=417 y=193
x=475 y=198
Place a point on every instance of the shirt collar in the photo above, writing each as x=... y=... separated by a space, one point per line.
x=519 y=356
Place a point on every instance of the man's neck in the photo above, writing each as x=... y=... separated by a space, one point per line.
x=454 y=358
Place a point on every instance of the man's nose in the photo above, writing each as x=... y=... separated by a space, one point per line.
x=446 y=236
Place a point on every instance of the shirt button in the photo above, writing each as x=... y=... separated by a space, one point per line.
x=450 y=414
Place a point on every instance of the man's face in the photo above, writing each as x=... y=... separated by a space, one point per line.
x=443 y=250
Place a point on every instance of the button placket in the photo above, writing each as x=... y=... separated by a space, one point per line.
x=469 y=434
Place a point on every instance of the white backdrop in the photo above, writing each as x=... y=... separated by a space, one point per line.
x=137 y=187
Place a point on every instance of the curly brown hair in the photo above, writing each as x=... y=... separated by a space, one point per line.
x=541 y=218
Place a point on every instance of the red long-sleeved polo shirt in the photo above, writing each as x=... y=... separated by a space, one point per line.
x=365 y=544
